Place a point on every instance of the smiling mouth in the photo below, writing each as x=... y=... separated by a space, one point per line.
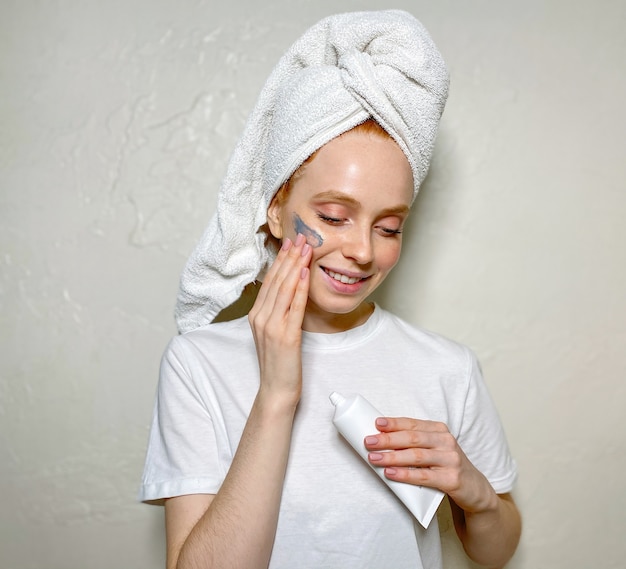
x=345 y=279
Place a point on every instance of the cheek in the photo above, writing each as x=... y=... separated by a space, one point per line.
x=313 y=237
x=389 y=254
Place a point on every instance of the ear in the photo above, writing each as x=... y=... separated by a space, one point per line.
x=274 y=218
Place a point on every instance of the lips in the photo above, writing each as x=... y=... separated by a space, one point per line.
x=343 y=278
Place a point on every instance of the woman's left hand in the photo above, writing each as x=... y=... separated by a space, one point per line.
x=425 y=453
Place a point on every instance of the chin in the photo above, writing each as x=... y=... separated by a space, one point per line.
x=338 y=306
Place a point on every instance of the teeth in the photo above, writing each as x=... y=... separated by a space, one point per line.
x=342 y=278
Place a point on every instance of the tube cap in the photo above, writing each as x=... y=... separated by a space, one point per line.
x=336 y=398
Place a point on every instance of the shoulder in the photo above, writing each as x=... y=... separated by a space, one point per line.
x=425 y=343
x=198 y=362
x=212 y=341
x=226 y=333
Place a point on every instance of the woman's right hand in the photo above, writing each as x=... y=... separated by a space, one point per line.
x=276 y=321
x=207 y=530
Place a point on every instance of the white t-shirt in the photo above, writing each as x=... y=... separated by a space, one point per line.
x=335 y=511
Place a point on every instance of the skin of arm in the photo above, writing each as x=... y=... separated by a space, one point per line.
x=489 y=537
x=236 y=526
x=488 y=524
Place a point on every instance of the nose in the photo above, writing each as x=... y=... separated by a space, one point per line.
x=358 y=246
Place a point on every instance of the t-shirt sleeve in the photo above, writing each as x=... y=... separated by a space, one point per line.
x=182 y=455
x=482 y=436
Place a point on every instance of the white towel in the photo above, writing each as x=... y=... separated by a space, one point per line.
x=342 y=71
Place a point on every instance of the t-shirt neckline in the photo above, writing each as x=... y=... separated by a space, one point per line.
x=339 y=340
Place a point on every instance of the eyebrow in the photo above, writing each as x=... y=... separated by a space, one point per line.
x=340 y=197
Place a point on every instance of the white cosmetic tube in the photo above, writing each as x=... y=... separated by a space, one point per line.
x=355 y=419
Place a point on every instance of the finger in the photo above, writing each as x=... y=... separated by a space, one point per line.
x=388 y=424
x=448 y=480
x=279 y=290
x=428 y=477
x=299 y=302
x=271 y=273
x=413 y=458
x=288 y=283
x=282 y=267
x=410 y=439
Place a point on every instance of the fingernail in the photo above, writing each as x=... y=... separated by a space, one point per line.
x=305 y=249
x=370 y=441
x=391 y=471
x=299 y=239
x=382 y=422
x=304 y=272
x=374 y=456
x=286 y=244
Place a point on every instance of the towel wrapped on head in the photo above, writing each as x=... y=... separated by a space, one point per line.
x=344 y=70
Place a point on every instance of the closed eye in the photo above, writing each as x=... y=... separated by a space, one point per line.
x=387 y=231
x=328 y=219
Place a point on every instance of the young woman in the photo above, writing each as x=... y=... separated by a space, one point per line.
x=243 y=451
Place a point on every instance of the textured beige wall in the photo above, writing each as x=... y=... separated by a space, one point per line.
x=116 y=121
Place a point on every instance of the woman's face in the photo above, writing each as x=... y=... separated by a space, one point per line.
x=350 y=202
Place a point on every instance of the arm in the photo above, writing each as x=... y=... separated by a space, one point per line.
x=487 y=524
x=497 y=528
x=236 y=527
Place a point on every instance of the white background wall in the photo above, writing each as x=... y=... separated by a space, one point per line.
x=116 y=122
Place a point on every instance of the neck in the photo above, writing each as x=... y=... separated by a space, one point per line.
x=330 y=323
